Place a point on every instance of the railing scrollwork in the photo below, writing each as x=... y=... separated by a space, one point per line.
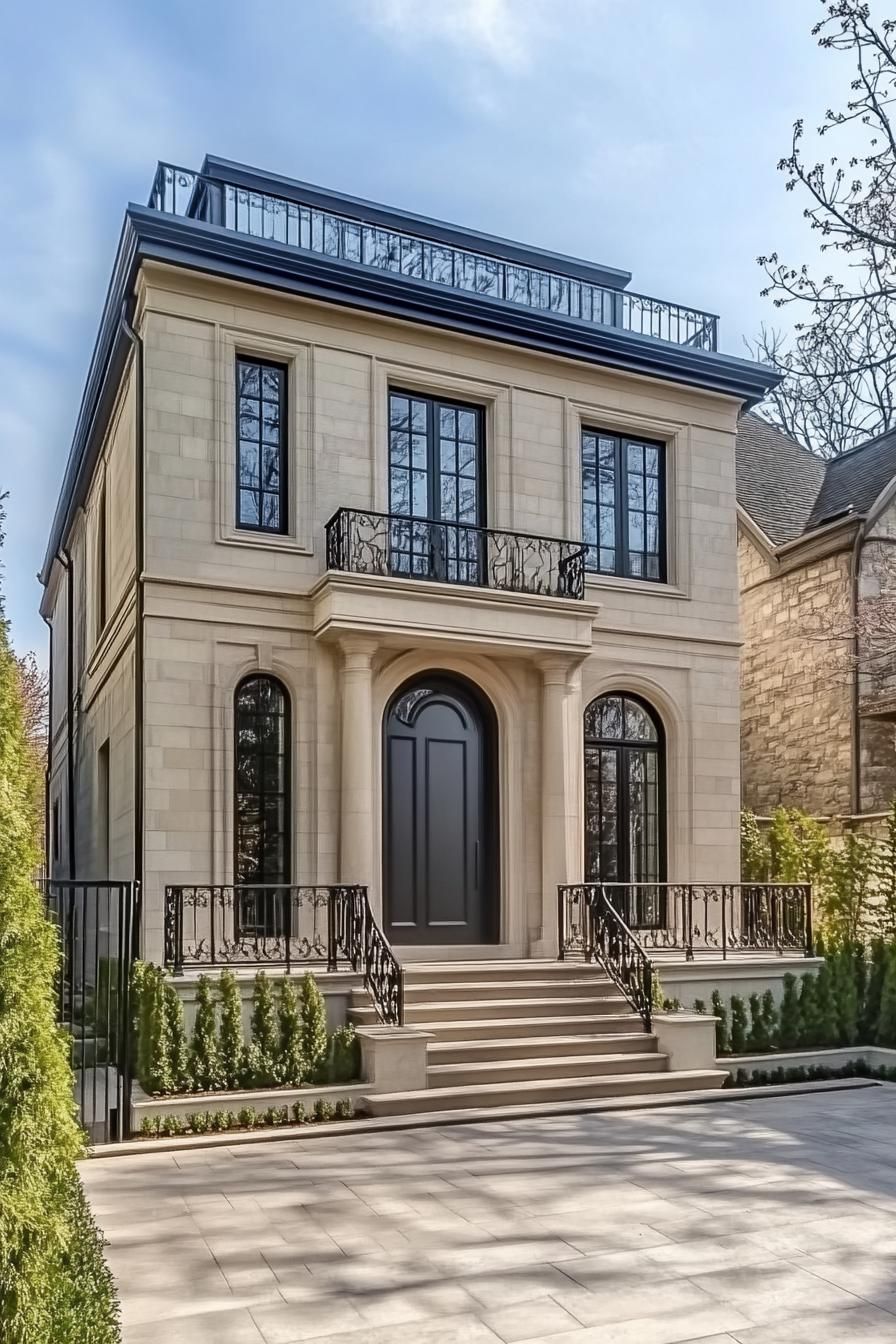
x=590 y=922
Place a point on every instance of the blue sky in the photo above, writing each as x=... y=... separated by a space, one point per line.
x=640 y=133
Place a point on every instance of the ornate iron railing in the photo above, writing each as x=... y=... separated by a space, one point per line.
x=281 y=219
x=362 y=542
x=590 y=923
x=209 y=925
x=367 y=950
x=720 y=919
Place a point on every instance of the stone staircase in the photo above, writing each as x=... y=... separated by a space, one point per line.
x=523 y=1032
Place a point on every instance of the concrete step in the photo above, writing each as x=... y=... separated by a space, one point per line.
x=543 y=1067
x=470 y=1029
x=533 y=1047
x=503 y=1009
x=558 y=987
x=553 y=1089
x=432 y=1010
x=419 y=973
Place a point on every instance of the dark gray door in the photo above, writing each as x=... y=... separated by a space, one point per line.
x=439 y=864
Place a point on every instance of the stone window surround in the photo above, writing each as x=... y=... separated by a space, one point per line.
x=675 y=437
x=231 y=342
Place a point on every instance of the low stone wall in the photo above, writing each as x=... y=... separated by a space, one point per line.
x=875 y=1056
x=743 y=974
x=336 y=987
x=393 y=1059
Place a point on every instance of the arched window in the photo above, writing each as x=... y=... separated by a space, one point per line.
x=624 y=795
x=261 y=793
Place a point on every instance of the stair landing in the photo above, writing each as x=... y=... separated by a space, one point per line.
x=524 y=1032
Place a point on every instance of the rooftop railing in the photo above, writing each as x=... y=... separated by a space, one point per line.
x=274 y=218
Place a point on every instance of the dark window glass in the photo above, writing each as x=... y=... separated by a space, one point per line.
x=261 y=446
x=435 y=481
x=261 y=799
x=623 y=505
x=624 y=805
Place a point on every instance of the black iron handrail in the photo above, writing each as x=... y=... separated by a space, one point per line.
x=274 y=924
x=718 y=918
x=280 y=218
x=589 y=921
x=367 y=949
x=362 y=541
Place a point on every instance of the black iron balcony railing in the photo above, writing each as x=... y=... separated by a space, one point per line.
x=275 y=218
x=720 y=919
x=361 y=542
x=214 y=925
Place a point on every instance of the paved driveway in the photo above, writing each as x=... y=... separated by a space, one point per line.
x=759 y=1221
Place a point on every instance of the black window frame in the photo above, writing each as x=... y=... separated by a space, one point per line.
x=433 y=404
x=621 y=548
x=262 y=913
x=282 y=370
x=624 y=747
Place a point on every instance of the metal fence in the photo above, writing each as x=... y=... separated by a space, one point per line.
x=98 y=924
x=282 y=219
x=720 y=919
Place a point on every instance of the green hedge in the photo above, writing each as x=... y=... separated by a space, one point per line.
x=54 y=1285
x=288 y=1041
x=850 y=1000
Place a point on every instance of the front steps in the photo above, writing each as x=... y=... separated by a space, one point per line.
x=524 y=1032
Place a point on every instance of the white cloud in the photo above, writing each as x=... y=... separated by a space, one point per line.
x=500 y=31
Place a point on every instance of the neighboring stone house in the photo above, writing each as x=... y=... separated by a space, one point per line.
x=818 y=612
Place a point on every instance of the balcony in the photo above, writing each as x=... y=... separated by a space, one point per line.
x=360 y=542
x=300 y=224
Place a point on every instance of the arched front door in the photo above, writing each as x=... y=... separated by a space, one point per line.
x=439 y=832
x=625 y=801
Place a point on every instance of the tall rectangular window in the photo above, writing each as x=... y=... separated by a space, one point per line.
x=436 y=475
x=261 y=457
x=102 y=810
x=102 y=565
x=623 y=505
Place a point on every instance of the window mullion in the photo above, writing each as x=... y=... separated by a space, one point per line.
x=622 y=566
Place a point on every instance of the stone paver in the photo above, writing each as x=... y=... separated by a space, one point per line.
x=756 y=1222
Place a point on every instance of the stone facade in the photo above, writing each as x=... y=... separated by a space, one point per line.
x=798 y=675
x=219 y=604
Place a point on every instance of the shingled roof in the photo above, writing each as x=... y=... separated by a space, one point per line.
x=788 y=491
x=778 y=480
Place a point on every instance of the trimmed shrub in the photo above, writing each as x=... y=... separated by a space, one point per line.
x=810 y=1024
x=205 y=1060
x=770 y=1020
x=54 y=1285
x=739 y=1028
x=323 y=1109
x=723 y=1039
x=161 y=1048
x=260 y=1056
x=757 y=1039
x=299 y=1114
x=343 y=1109
x=846 y=999
x=699 y=1006
x=314 y=1030
x=790 y=1024
x=230 y=1036
x=344 y=1064
x=828 y=1026
x=886 y=1025
x=876 y=973
x=290 y=1058
x=247 y=1116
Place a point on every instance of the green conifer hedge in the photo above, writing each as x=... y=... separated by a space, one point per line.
x=54 y=1284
